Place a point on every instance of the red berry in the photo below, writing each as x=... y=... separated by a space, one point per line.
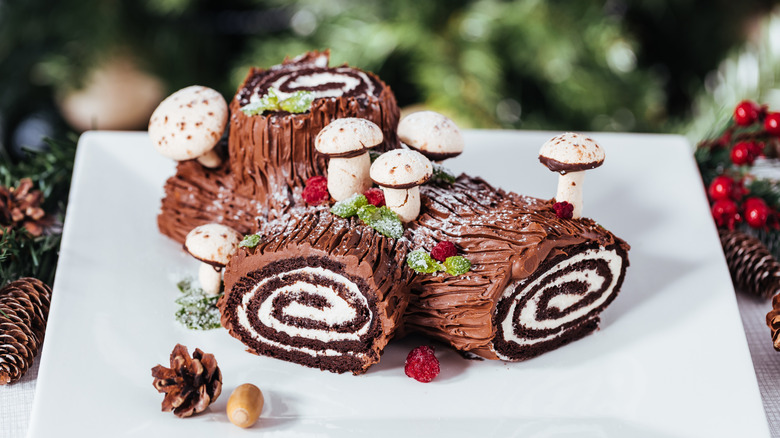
x=316 y=190
x=756 y=148
x=444 y=249
x=563 y=210
x=772 y=123
x=746 y=113
x=721 y=187
x=756 y=212
x=741 y=154
x=724 y=211
x=421 y=364
x=375 y=196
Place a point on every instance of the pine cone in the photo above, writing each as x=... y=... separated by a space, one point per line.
x=24 y=307
x=190 y=384
x=753 y=268
x=773 y=321
x=21 y=206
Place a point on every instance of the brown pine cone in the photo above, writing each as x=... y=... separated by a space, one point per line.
x=773 y=321
x=21 y=206
x=24 y=307
x=753 y=268
x=190 y=384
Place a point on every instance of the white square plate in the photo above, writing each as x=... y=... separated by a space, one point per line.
x=670 y=359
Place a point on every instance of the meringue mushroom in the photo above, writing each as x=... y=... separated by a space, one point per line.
x=432 y=134
x=346 y=142
x=400 y=172
x=188 y=124
x=214 y=245
x=571 y=154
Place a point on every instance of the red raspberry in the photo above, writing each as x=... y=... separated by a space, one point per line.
x=421 y=364
x=444 y=249
x=375 y=196
x=316 y=191
x=563 y=210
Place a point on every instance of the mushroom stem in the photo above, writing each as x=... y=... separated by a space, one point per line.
x=570 y=190
x=404 y=202
x=210 y=159
x=347 y=176
x=210 y=278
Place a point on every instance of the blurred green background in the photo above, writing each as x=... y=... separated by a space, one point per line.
x=630 y=65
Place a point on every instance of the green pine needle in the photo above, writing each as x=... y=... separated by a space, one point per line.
x=21 y=254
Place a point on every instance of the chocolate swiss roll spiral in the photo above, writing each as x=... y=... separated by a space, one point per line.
x=319 y=291
x=537 y=282
x=274 y=152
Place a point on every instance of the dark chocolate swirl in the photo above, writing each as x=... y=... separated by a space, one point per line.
x=558 y=304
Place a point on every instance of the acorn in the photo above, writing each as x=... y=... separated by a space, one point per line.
x=244 y=405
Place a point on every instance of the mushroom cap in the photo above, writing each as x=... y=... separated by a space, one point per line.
x=347 y=137
x=432 y=134
x=401 y=169
x=188 y=123
x=214 y=244
x=571 y=152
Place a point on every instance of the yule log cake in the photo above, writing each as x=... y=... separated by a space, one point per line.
x=343 y=249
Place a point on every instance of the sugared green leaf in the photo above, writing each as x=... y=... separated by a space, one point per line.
x=350 y=206
x=457 y=265
x=422 y=262
x=250 y=241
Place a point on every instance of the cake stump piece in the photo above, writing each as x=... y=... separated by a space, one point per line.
x=537 y=282
x=319 y=291
x=275 y=151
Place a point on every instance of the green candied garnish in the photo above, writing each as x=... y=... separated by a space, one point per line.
x=382 y=219
x=457 y=265
x=198 y=310
x=250 y=241
x=299 y=102
x=441 y=174
x=350 y=206
x=269 y=102
x=422 y=262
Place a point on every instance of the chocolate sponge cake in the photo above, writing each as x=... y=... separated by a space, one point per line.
x=330 y=292
x=537 y=281
x=318 y=290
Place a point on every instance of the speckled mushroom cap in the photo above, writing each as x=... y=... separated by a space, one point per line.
x=188 y=123
x=432 y=134
x=214 y=244
x=401 y=169
x=571 y=152
x=348 y=137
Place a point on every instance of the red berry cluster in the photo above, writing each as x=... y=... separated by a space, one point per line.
x=726 y=194
x=754 y=133
x=746 y=115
